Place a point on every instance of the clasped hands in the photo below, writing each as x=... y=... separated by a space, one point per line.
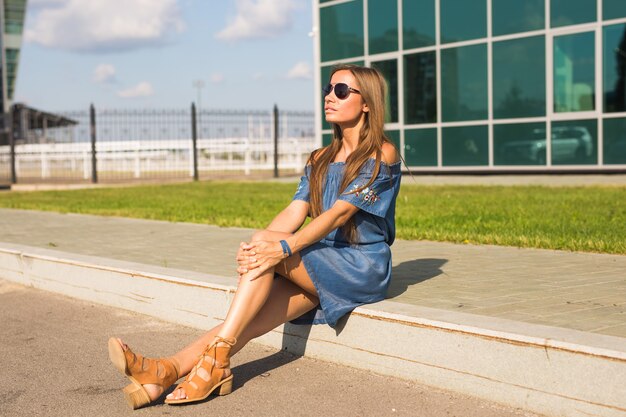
x=256 y=257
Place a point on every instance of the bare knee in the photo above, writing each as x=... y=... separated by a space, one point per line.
x=269 y=235
x=261 y=235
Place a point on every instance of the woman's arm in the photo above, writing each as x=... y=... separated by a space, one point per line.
x=291 y=218
x=336 y=216
x=319 y=227
x=288 y=220
x=268 y=254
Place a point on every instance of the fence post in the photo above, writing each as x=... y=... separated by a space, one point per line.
x=194 y=141
x=275 y=141
x=94 y=161
x=9 y=122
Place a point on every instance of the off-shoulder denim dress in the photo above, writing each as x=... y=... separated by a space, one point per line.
x=345 y=275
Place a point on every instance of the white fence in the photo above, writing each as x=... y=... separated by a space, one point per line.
x=139 y=159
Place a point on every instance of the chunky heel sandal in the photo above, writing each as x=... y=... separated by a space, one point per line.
x=227 y=387
x=210 y=375
x=141 y=371
x=136 y=396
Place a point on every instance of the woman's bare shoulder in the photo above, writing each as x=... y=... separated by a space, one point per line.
x=390 y=153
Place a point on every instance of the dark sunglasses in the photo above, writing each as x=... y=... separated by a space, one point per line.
x=342 y=90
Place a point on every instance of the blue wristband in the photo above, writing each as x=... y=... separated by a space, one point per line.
x=286 y=248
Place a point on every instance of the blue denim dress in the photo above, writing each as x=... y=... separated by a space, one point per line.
x=347 y=276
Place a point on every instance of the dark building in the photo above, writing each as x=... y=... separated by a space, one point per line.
x=12 y=13
x=489 y=85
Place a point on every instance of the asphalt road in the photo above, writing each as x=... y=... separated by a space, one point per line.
x=54 y=362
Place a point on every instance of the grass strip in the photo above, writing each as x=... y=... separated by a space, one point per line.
x=589 y=219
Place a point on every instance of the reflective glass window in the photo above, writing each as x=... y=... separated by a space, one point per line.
x=420 y=88
x=326 y=139
x=325 y=78
x=519 y=78
x=519 y=144
x=614 y=141
x=575 y=142
x=389 y=69
x=574 y=72
x=464 y=83
x=572 y=12
x=613 y=9
x=614 y=68
x=11 y=57
x=342 y=36
x=463 y=20
x=14 y=12
x=394 y=137
x=418 y=23
x=420 y=147
x=514 y=16
x=465 y=145
x=382 y=26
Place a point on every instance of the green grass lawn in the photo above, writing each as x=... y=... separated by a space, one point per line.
x=591 y=219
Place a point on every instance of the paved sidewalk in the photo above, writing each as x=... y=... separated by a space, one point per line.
x=67 y=372
x=577 y=291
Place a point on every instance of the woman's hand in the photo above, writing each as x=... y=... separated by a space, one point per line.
x=266 y=255
x=245 y=258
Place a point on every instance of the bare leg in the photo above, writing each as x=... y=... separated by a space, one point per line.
x=252 y=314
x=286 y=302
x=252 y=295
x=251 y=305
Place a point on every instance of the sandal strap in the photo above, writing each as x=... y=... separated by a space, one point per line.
x=210 y=369
x=163 y=372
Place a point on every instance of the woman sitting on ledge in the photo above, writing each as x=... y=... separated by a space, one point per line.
x=317 y=273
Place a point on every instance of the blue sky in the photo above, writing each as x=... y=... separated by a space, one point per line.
x=249 y=54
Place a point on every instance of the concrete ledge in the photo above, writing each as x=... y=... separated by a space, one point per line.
x=548 y=370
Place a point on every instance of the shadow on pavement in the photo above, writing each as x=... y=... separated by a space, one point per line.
x=413 y=272
x=295 y=337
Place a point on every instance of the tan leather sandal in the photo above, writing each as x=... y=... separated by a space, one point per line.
x=211 y=373
x=140 y=371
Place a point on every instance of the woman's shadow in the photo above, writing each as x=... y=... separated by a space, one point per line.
x=295 y=336
x=413 y=272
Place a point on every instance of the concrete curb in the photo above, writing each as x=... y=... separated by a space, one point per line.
x=548 y=370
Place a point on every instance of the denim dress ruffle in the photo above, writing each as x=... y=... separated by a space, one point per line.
x=347 y=276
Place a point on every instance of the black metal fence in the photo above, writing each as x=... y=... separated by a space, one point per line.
x=108 y=145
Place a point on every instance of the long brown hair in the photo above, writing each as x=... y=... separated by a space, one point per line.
x=373 y=89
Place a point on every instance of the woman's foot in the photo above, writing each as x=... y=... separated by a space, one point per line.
x=149 y=377
x=210 y=375
x=154 y=391
x=180 y=394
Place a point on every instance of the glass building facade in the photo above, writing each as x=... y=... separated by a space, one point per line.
x=489 y=85
x=12 y=13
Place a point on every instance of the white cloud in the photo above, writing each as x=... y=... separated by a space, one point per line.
x=259 y=19
x=104 y=73
x=217 y=77
x=143 y=89
x=258 y=76
x=104 y=25
x=300 y=71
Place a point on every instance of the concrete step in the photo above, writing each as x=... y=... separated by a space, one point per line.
x=548 y=370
